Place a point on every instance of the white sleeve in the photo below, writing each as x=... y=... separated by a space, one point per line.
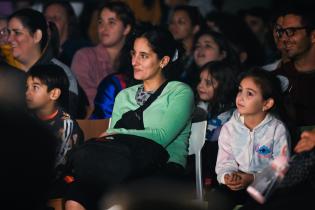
x=226 y=162
x=282 y=141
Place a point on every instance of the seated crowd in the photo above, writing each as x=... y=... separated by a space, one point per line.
x=252 y=85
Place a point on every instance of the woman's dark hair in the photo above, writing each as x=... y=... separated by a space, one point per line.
x=225 y=93
x=122 y=10
x=163 y=44
x=54 y=77
x=231 y=56
x=240 y=35
x=70 y=14
x=34 y=20
x=126 y=15
x=193 y=14
x=270 y=87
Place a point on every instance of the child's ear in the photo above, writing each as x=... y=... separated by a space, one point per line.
x=54 y=94
x=268 y=104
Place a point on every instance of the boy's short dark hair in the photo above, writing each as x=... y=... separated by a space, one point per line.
x=52 y=76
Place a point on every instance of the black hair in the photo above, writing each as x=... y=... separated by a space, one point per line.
x=34 y=20
x=225 y=93
x=224 y=44
x=270 y=87
x=240 y=35
x=71 y=16
x=193 y=14
x=259 y=12
x=52 y=76
x=307 y=16
x=126 y=15
x=122 y=10
x=163 y=44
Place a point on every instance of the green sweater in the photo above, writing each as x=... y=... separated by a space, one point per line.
x=167 y=121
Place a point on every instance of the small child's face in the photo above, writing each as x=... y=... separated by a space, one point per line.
x=249 y=100
x=207 y=50
x=37 y=95
x=206 y=86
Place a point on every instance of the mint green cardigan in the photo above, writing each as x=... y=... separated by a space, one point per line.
x=167 y=121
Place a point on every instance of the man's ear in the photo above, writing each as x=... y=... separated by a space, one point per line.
x=127 y=30
x=268 y=104
x=54 y=94
x=196 y=29
x=38 y=36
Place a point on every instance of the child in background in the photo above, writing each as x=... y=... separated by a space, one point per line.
x=253 y=137
x=46 y=94
x=216 y=92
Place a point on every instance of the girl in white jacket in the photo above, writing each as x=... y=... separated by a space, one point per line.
x=250 y=139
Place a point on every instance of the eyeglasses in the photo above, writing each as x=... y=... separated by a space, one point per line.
x=3 y=32
x=290 y=31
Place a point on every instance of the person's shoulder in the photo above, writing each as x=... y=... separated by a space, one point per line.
x=234 y=121
x=129 y=90
x=60 y=64
x=10 y=70
x=178 y=86
x=287 y=68
x=85 y=52
x=276 y=122
x=87 y=49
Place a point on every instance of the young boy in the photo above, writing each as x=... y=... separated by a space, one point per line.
x=46 y=97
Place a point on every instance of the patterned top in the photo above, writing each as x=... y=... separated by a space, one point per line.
x=142 y=96
x=69 y=135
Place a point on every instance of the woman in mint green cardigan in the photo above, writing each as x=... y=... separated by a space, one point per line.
x=166 y=121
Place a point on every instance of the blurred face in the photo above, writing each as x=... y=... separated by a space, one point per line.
x=180 y=26
x=249 y=100
x=256 y=24
x=111 y=29
x=207 y=50
x=206 y=86
x=3 y=32
x=297 y=42
x=37 y=95
x=22 y=41
x=279 y=44
x=145 y=62
x=57 y=14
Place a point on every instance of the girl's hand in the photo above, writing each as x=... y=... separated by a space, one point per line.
x=246 y=179
x=232 y=181
x=306 y=142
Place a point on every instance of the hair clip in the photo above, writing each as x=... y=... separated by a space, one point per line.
x=175 y=57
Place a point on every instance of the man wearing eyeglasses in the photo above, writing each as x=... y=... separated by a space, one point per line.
x=295 y=30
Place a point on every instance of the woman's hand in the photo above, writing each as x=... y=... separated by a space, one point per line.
x=105 y=134
x=306 y=142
